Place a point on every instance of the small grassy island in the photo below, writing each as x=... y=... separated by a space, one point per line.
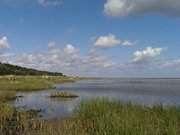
x=63 y=95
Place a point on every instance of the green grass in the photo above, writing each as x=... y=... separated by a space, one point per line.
x=104 y=117
x=97 y=117
x=31 y=83
x=9 y=85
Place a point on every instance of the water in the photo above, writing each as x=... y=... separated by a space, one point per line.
x=139 y=91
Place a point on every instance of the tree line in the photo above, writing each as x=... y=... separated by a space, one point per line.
x=8 y=69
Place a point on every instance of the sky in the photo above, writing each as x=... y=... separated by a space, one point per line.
x=105 y=38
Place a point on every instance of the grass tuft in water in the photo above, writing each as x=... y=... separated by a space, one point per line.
x=63 y=95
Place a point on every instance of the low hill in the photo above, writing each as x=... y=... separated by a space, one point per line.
x=8 y=69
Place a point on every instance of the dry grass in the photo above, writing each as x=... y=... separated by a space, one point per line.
x=7 y=95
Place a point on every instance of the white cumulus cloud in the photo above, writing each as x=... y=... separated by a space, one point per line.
x=4 y=43
x=109 y=41
x=67 y=60
x=70 y=49
x=141 y=7
x=147 y=54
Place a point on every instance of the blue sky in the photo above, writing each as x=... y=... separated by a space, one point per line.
x=121 y=38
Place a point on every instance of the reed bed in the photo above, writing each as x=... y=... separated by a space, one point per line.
x=13 y=122
x=104 y=117
x=96 y=117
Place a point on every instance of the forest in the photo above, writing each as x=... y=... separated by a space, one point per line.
x=8 y=69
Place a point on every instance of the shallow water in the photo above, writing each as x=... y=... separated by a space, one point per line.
x=140 y=91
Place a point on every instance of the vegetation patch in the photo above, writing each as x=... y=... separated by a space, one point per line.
x=63 y=95
x=7 y=95
x=104 y=117
x=13 y=122
x=9 y=69
x=16 y=78
x=31 y=83
x=96 y=117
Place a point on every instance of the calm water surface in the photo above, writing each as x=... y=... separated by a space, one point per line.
x=140 y=91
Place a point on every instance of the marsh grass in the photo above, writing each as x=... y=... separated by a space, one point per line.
x=104 y=117
x=31 y=83
x=97 y=117
x=63 y=95
x=13 y=122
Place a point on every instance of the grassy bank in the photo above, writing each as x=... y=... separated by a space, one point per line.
x=31 y=83
x=100 y=117
x=9 y=85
